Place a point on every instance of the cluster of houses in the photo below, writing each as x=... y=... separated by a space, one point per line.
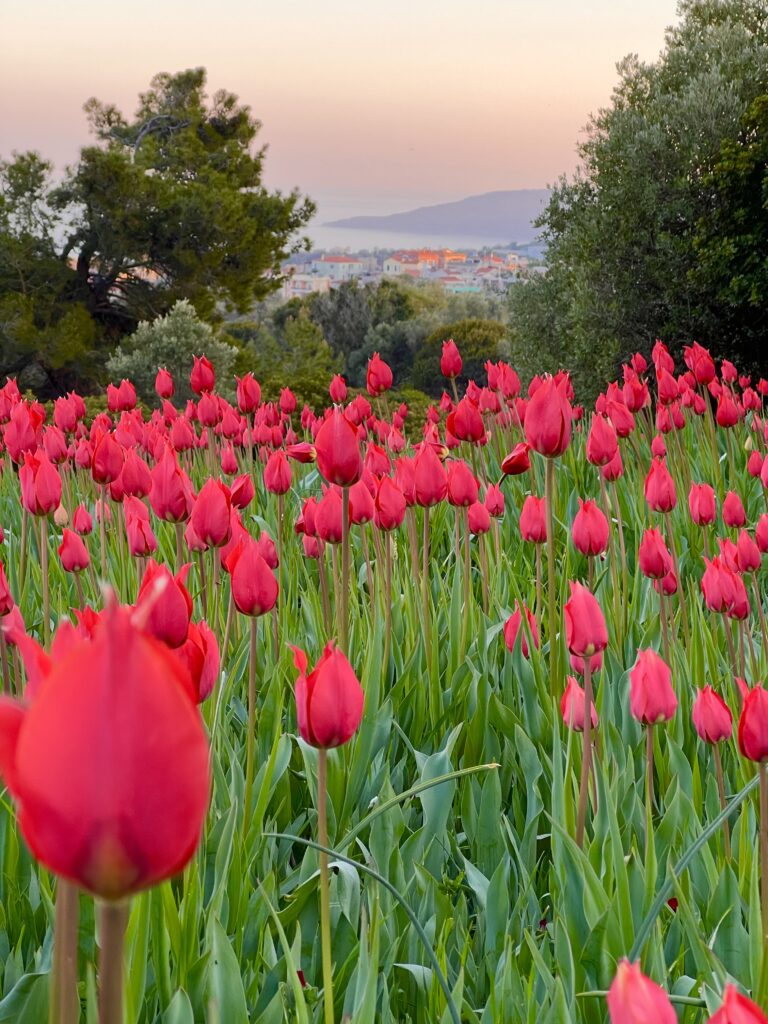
x=454 y=270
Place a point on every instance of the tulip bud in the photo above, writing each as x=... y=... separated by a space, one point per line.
x=572 y=706
x=711 y=716
x=733 y=511
x=329 y=701
x=585 y=629
x=518 y=460
x=660 y=488
x=379 y=376
x=450 y=360
x=635 y=999
x=254 y=587
x=73 y=553
x=651 y=697
x=533 y=520
x=653 y=556
x=338 y=450
x=548 y=418
x=753 y=725
x=701 y=504
x=512 y=629
x=737 y=1009
x=589 y=529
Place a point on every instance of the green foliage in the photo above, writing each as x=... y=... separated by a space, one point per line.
x=164 y=206
x=622 y=233
x=171 y=341
x=478 y=341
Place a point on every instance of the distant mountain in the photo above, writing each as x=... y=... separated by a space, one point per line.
x=501 y=216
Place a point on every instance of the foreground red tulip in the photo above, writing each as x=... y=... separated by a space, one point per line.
x=450 y=360
x=548 y=422
x=635 y=999
x=168 y=602
x=379 y=376
x=109 y=765
x=753 y=725
x=589 y=529
x=338 y=450
x=585 y=629
x=651 y=697
x=329 y=701
x=737 y=1009
x=254 y=586
x=712 y=716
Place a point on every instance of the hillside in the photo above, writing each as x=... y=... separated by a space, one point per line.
x=502 y=216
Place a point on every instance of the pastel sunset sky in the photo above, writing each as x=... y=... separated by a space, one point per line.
x=398 y=98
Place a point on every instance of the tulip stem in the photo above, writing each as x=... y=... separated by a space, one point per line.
x=387 y=601
x=760 y=612
x=4 y=657
x=425 y=583
x=721 y=793
x=250 y=739
x=539 y=600
x=550 y=502
x=325 y=895
x=586 y=758
x=467 y=584
x=648 y=790
x=731 y=648
x=79 y=588
x=664 y=625
x=103 y=532
x=23 y=553
x=680 y=581
x=113 y=918
x=764 y=850
x=325 y=597
x=179 y=546
x=343 y=624
x=64 y=1007
x=44 y=573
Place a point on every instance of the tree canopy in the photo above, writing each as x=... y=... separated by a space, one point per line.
x=163 y=206
x=627 y=233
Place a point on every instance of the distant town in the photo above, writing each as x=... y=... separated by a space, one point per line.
x=454 y=270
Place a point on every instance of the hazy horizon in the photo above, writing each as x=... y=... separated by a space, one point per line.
x=410 y=103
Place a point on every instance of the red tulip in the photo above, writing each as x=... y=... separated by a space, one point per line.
x=164 y=386
x=733 y=511
x=200 y=656
x=389 y=504
x=40 y=484
x=450 y=360
x=338 y=450
x=533 y=520
x=719 y=585
x=737 y=1009
x=727 y=414
x=430 y=477
x=277 y=473
x=548 y=418
x=171 y=495
x=518 y=461
x=329 y=701
x=748 y=557
x=73 y=553
x=287 y=401
x=254 y=586
x=242 y=491
x=6 y=598
x=82 y=521
x=660 y=488
x=135 y=477
x=107 y=460
x=379 y=376
x=761 y=533
x=210 y=513
x=328 y=516
x=109 y=764
x=494 y=501
x=572 y=706
x=202 y=378
x=701 y=504
x=635 y=999
x=338 y=389
x=462 y=485
x=589 y=529
x=141 y=538
x=466 y=422
x=651 y=697
x=712 y=716
x=585 y=629
x=653 y=556
x=512 y=629
x=602 y=444
x=248 y=394
x=168 y=602
x=753 y=725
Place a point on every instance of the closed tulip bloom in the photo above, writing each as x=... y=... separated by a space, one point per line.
x=602 y=443
x=169 y=603
x=135 y=477
x=701 y=504
x=328 y=517
x=164 y=386
x=6 y=598
x=361 y=506
x=379 y=376
x=518 y=461
x=450 y=359
x=653 y=556
x=478 y=519
x=573 y=704
x=667 y=585
x=737 y=1009
x=651 y=697
x=548 y=419
x=242 y=491
x=40 y=484
x=635 y=999
x=585 y=629
x=462 y=486
x=107 y=460
x=141 y=538
x=512 y=628
x=210 y=513
x=202 y=378
x=429 y=477
x=277 y=473
x=200 y=656
x=727 y=414
x=466 y=422
x=589 y=529
x=248 y=394
x=719 y=586
x=660 y=490
x=753 y=725
x=287 y=401
x=338 y=450
x=338 y=389
x=494 y=501
x=389 y=504
x=329 y=701
x=254 y=586
x=748 y=555
x=533 y=520
x=733 y=511
x=171 y=495
x=109 y=765
x=761 y=533
x=711 y=716
x=73 y=552
x=755 y=464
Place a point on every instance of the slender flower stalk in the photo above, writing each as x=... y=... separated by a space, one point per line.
x=325 y=885
x=64 y=1006
x=586 y=757
x=113 y=918
x=343 y=606
x=250 y=739
x=45 y=580
x=554 y=684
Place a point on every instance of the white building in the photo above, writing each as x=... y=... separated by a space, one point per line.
x=299 y=285
x=339 y=268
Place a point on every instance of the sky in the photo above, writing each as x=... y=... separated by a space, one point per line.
x=406 y=100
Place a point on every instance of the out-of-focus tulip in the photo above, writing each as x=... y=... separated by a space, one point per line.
x=651 y=697
x=635 y=999
x=753 y=725
x=109 y=764
x=737 y=1009
x=660 y=490
x=329 y=701
x=202 y=378
x=711 y=716
x=533 y=520
x=512 y=627
x=168 y=601
x=164 y=386
x=589 y=529
x=73 y=552
x=701 y=504
x=733 y=511
x=450 y=359
x=585 y=628
x=548 y=421
x=338 y=389
x=653 y=556
x=573 y=704
x=6 y=598
x=200 y=656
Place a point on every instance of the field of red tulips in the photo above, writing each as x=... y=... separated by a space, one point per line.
x=336 y=715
